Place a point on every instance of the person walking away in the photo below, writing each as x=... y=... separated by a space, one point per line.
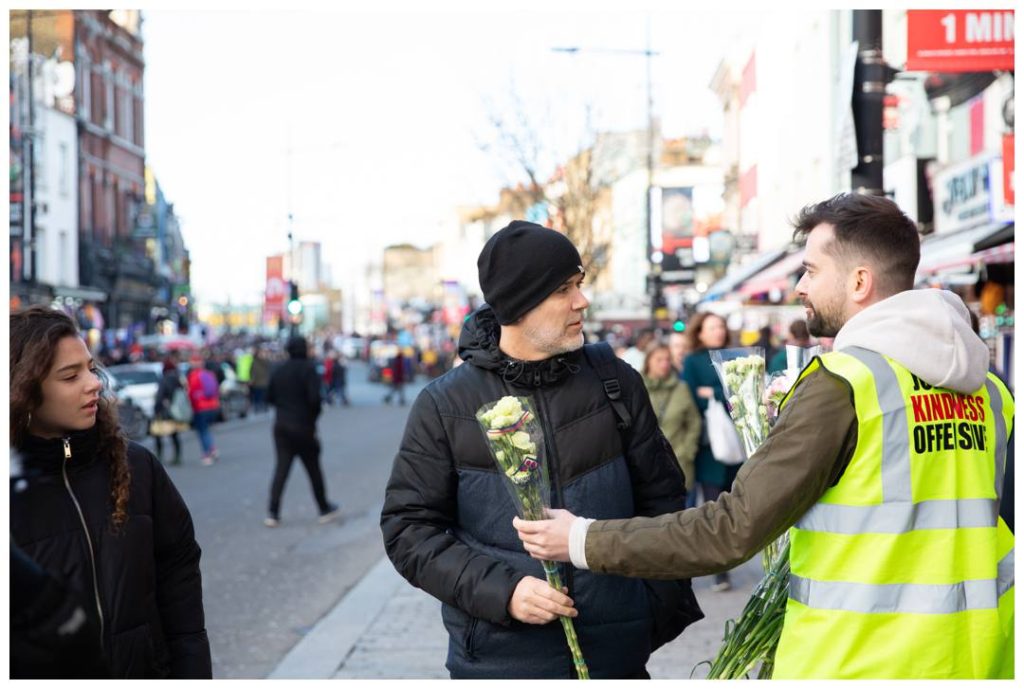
x=339 y=378
x=260 y=378
x=398 y=371
x=678 y=416
x=798 y=337
x=294 y=392
x=707 y=331
x=98 y=511
x=164 y=423
x=886 y=465
x=204 y=393
x=447 y=517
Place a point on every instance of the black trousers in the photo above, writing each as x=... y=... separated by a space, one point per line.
x=290 y=442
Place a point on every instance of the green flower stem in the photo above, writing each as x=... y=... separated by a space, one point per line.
x=754 y=636
x=555 y=581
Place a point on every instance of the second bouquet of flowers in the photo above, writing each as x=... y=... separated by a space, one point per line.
x=516 y=443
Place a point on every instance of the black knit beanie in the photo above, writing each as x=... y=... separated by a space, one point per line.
x=521 y=265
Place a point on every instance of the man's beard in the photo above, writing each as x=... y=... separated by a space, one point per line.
x=824 y=322
x=554 y=344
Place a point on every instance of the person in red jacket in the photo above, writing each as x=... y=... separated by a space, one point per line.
x=204 y=393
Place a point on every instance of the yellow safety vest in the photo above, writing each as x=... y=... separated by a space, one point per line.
x=904 y=568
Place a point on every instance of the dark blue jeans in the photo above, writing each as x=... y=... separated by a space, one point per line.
x=202 y=421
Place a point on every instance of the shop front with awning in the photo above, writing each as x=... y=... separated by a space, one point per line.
x=957 y=258
x=726 y=287
x=776 y=282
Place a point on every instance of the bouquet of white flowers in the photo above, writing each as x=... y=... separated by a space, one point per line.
x=517 y=445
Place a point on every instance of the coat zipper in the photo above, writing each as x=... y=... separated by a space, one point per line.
x=557 y=496
x=88 y=538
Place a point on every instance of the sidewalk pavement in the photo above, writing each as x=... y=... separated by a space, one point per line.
x=386 y=628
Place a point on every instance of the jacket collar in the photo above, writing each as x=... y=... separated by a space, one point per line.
x=47 y=455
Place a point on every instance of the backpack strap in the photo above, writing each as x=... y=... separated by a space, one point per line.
x=602 y=358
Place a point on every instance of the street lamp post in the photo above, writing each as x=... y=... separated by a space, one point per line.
x=654 y=268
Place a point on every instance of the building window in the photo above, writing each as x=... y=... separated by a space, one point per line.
x=85 y=82
x=108 y=85
x=65 y=169
x=63 y=269
x=128 y=112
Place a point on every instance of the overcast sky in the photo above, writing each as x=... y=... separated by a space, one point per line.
x=384 y=114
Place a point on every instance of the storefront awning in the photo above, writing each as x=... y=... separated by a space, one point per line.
x=742 y=273
x=961 y=251
x=777 y=276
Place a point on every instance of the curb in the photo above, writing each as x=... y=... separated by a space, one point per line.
x=324 y=649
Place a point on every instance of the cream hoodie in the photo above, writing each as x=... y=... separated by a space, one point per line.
x=926 y=330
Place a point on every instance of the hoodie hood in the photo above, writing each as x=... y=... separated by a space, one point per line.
x=928 y=331
x=478 y=346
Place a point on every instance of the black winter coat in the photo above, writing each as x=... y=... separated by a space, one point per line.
x=447 y=517
x=147 y=582
x=294 y=391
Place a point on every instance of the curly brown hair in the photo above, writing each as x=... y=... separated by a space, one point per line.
x=35 y=334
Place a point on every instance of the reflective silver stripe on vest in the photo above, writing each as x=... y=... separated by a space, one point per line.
x=996 y=404
x=1006 y=573
x=929 y=599
x=900 y=517
x=896 y=484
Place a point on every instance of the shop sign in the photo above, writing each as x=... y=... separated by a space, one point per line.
x=969 y=194
x=959 y=40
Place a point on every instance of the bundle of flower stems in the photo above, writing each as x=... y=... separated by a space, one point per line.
x=753 y=637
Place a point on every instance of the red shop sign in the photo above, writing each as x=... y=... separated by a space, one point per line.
x=959 y=40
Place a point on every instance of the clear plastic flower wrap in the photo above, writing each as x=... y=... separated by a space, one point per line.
x=516 y=442
x=780 y=383
x=742 y=372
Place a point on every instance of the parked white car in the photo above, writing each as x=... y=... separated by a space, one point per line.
x=138 y=383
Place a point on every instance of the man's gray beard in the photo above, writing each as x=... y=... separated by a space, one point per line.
x=559 y=346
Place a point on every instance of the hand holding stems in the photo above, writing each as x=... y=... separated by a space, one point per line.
x=546 y=539
x=535 y=602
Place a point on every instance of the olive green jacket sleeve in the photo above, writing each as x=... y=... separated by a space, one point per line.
x=805 y=453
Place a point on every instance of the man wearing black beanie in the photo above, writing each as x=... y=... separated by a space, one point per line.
x=447 y=518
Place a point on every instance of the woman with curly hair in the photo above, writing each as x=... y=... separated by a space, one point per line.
x=99 y=512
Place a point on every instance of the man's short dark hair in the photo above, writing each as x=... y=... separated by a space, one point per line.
x=867 y=227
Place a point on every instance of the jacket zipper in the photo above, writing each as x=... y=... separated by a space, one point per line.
x=88 y=538
x=557 y=496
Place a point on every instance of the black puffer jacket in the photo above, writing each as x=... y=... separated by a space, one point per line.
x=447 y=518
x=148 y=585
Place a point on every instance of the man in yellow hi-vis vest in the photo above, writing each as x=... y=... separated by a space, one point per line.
x=886 y=464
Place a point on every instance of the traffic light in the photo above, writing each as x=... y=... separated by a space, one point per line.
x=679 y=326
x=295 y=304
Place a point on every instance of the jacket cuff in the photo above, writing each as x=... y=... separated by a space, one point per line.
x=578 y=542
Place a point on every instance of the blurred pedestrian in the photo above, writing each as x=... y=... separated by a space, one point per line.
x=705 y=332
x=101 y=511
x=339 y=380
x=678 y=348
x=637 y=351
x=678 y=416
x=164 y=422
x=204 y=393
x=259 y=379
x=398 y=376
x=798 y=337
x=294 y=392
